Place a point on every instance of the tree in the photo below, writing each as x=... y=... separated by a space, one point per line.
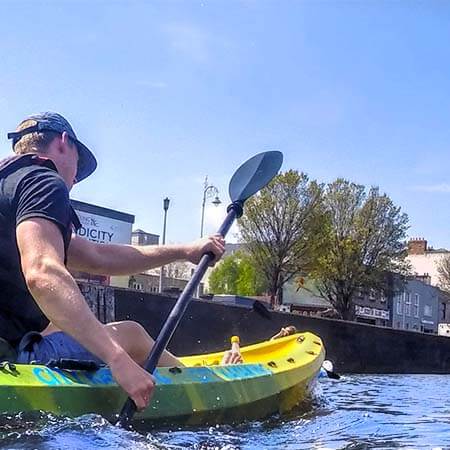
x=444 y=273
x=223 y=279
x=361 y=239
x=276 y=228
x=178 y=269
x=236 y=275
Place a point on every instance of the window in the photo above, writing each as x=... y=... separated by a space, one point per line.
x=428 y=310
x=416 y=305
x=383 y=297
x=408 y=303
x=399 y=305
x=372 y=294
x=398 y=324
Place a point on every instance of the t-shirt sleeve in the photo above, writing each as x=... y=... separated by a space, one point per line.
x=42 y=193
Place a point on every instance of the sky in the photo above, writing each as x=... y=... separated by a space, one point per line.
x=168 y=92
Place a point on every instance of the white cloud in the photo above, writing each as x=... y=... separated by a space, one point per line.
x=441 y=187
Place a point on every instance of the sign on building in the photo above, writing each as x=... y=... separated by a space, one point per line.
x=365 y=311
x=444 y=329
x=105 y=226
x=106 y=230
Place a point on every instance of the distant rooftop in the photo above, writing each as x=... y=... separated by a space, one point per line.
x=230 y=249
x=419 y=246
x=306 y=295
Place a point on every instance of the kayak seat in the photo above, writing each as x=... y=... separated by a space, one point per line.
x=73 y=364
x=7 y=351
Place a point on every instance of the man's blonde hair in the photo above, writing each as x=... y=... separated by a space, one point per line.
x=36 y=142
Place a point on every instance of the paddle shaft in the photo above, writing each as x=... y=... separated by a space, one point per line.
x=164 y=336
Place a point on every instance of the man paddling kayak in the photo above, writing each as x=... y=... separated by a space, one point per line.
x=42 y=311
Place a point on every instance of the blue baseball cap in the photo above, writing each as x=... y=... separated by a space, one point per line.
x=51 y=121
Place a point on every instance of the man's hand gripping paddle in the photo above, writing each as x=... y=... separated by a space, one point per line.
x=250 y=178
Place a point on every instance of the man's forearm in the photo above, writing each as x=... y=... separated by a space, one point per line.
x=114 y=259
x=58 y=296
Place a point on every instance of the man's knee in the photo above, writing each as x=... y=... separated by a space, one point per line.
x=129 y=328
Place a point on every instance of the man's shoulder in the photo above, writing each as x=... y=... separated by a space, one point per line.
x=33 y=181
x=26 y=163
x=37 y=169
x=37 y=174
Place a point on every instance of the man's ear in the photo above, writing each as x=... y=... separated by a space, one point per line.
x=65 y=138
x=65 y=142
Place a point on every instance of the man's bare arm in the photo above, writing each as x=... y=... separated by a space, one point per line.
x=115 y=259
x=41 y=250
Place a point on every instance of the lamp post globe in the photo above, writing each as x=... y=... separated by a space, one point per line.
x=209 y=190
x=166 y=203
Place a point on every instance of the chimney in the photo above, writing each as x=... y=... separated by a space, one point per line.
x=417 y=246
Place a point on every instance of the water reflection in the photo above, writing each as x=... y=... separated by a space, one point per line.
x=357 y=412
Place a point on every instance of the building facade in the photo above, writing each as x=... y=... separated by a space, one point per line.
x=372 y=307
x=140 y=237
x=425 y=260
x=148 y=282
x=175 y=277
x=416 y=307
x=304 y=298
x=408 y=304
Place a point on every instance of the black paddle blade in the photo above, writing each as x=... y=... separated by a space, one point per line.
x=333 y=375
x=254 y=174
x=261 y=309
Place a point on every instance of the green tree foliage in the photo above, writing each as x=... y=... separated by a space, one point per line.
x=236 y=275
x=361 y=238
x=276 y=229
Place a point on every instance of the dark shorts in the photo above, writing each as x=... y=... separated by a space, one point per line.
x=55 y=346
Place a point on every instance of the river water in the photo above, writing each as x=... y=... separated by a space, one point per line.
x=356 y=412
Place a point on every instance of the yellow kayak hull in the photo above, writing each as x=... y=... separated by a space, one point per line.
x=275 y=376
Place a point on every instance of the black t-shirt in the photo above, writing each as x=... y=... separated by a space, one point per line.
x=29 y=188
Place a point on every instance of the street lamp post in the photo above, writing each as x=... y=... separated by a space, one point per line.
x=209 y=191
x=166 y=202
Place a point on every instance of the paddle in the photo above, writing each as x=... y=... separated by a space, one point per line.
x=261 y=310
x=251 y=177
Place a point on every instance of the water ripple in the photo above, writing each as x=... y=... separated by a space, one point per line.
x=358 y=412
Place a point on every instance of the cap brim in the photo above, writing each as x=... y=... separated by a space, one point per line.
x=86 y=162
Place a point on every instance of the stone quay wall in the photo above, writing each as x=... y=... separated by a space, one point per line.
x=208 y=326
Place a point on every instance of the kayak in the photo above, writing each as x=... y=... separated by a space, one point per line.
x=276 y=376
